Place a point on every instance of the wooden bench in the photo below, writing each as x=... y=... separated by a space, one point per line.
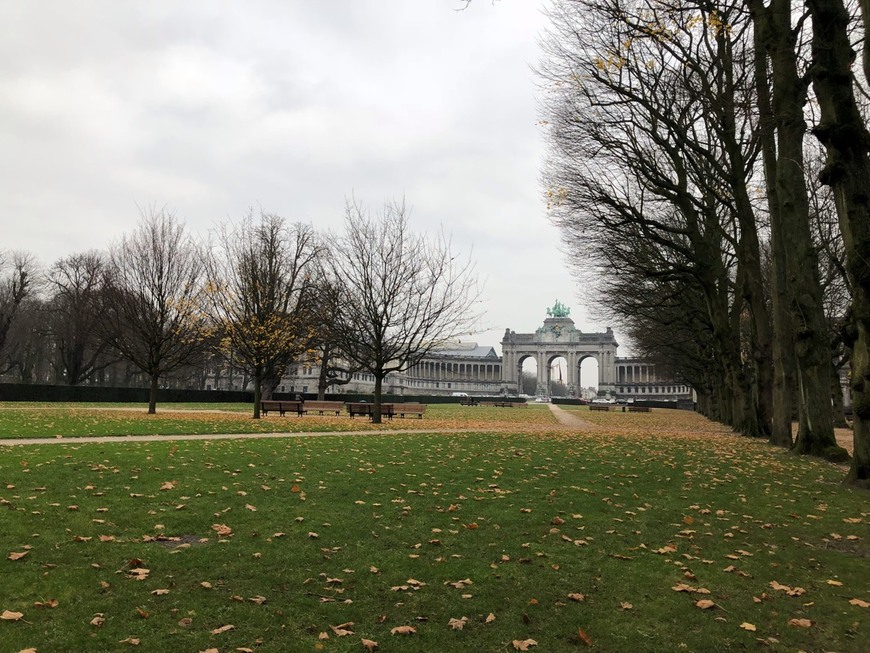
x=282 y=407
x=409 y=409
x=322 y=407
x=365 y=408
x=638 y=409
x=469 y=401
x=505 y=404
x=605 y=407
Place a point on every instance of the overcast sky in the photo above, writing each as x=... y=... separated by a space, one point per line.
x=210 y=107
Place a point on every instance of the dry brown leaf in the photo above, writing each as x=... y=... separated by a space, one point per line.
x=132 y=641
x=17 y=555
x=9 y=615
x=250 y=507
x=457 y=624
x=800 y=623
x=835 y=583
x=222 y=530
x=205 y=584
x=523 y=645
x=748 y=626
x=403 y=630
x=369 y=644
x=490 y=618
x=27 y=650
x=139 y=573
x=98 y=621
x=583 y=636
x=625 y=605
x=859 y=603
x=223 y=629
x=705 y=604
x=160 y=592
x=575 y=596
x=342 y=630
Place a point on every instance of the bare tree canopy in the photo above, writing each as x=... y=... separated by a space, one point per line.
x=75 y=287
x=17 y=278
x=152 y=296
x=261 y=294
x=401 y=294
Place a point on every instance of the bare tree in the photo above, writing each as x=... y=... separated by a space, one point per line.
x=260 y=293
x=843 y=131
x=17 y=278
x=75 y=287
x=151 y=310
x=402 y=295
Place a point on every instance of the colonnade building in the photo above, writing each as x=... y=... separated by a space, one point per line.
x=478 y=370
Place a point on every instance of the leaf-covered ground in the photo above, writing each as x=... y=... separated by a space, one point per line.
x=66 y=421
x=640 y=535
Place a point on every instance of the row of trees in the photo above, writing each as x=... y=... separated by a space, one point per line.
x=736 y=246
x=259 y=294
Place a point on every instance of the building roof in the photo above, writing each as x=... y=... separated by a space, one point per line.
x=472 y=351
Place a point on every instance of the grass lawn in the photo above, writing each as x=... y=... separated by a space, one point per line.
x=604 y=540
x=65 y=420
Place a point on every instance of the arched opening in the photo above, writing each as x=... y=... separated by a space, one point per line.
x=528 y=376
x=588 y=378
x=557 y=377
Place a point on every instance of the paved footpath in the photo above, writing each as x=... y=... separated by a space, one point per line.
x=564 y=417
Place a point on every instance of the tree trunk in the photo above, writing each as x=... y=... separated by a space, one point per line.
x=842 y=131
x=152 y=394
x=258 y=394
x=837 y=400
x=782 y=349
x=376 y=416
x=812 y=353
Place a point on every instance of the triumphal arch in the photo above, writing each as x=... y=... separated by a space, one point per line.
x=558 y=337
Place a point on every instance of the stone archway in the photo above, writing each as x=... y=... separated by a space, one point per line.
x=558 y=337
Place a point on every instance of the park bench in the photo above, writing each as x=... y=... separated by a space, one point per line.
x=364 y=408
x=282 y=407
x=323 y=407
x=604 y=407
x=468 y=401
x=505 y=404
x=639 y=409
x=409 y=409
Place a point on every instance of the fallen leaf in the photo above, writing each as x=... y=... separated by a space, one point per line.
x=98 y=621
x=132 y=641
x=17 y=555
x=368 y=644
x=48 y=603
x=835 y=583
x=800 y=623
x=523 y=645
x=748 y=626
x=222 y=530
x=625 y=605
x=490 y=618
x=583 y=637
x=574 y=596
x=859 y=603
x=223 y=629
x=8 y=615
x=342 y=630
x=705 y=604
x=403 y=630
x=457 y=624
x=159 y=592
